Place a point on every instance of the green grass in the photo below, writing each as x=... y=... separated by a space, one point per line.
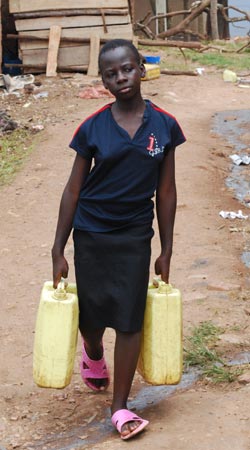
x=223 y=56
x=231 y=61
x=222 y=374
x=14 y=148
x=199 y=351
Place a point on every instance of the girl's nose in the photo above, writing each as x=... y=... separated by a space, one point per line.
x=120 y=76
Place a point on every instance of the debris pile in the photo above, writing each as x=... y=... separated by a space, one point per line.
x=6 y=123
x=12 y=84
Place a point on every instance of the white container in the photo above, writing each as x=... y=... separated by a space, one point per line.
x=229 y=76
x=55 y=335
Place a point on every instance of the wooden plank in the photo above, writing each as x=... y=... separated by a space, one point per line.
x=104 y=21
x=93 y=55
x=71 y=12
x=132 y=10
x=135 y=41
x=67 y=56
x=170 y=43
x=40 y=68
x=45 y=23
x=54 y=42
x=36 y=44
x=114 y=31
x=45 y=5
x=43 y=66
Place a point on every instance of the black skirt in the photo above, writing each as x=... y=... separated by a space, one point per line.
x=112 y=273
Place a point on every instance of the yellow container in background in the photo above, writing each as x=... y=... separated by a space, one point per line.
x=160 y=360
x=56 y=335
x=152 y=71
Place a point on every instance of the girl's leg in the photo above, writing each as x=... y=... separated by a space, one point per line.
x=93 y=342
x=127 y=349
x=94 y=350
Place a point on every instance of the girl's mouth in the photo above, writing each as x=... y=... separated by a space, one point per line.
x=124 y=90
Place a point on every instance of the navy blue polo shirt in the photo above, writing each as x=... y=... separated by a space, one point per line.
x=119 y=189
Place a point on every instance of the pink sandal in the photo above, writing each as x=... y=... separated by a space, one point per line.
x=123 y=416
x=95 y=369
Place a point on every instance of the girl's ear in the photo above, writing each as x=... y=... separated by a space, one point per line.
x=143 y=70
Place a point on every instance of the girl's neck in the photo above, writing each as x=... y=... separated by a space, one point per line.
x=134 y=106
x=129 y=115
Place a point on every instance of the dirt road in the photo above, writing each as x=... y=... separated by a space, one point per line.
x=206 y=266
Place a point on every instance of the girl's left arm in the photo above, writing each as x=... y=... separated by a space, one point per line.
x=166 y=200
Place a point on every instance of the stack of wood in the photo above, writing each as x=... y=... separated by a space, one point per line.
x=62 y=34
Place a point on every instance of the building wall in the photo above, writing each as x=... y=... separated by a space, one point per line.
x=143 y=6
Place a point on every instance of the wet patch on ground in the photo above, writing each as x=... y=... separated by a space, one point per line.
x=92 y=432
x=234 y=127
x=82 y=436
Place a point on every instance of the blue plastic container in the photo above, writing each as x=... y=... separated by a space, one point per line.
x=152 y=59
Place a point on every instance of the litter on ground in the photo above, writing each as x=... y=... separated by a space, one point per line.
x=233 y=215
x=238 y=160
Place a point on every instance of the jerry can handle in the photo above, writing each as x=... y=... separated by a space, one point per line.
x=60 y=293
x=162 y=286
x=64 y=282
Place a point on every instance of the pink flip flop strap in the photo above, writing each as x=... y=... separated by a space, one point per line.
x=96 y=369
x=123 y=416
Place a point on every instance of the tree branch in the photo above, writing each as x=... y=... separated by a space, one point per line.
x=234 y=19
x=184 y=23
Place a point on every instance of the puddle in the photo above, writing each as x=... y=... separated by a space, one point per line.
x=245 y=257
x=234 y=127
x=98 y=431
x=146 y=397
x=240 y=359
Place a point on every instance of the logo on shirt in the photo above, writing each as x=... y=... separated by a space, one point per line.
x=153 y=147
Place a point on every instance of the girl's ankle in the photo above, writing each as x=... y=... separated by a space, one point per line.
x=94 y=353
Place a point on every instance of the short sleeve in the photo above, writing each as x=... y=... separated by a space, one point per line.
x=80 y=144
x=177 y=136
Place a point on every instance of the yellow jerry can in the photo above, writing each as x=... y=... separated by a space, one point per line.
x=160 y=360
x=56 y=335
x=152 y=71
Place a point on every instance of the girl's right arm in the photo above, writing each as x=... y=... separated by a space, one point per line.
x=80 y=170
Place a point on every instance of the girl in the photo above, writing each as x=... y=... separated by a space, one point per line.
x=110 y=207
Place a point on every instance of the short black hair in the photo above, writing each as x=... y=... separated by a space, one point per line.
x=115 y=43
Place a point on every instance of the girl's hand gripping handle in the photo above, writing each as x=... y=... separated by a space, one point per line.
x=60 y=269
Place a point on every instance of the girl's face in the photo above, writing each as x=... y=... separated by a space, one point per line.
x=121 y=73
